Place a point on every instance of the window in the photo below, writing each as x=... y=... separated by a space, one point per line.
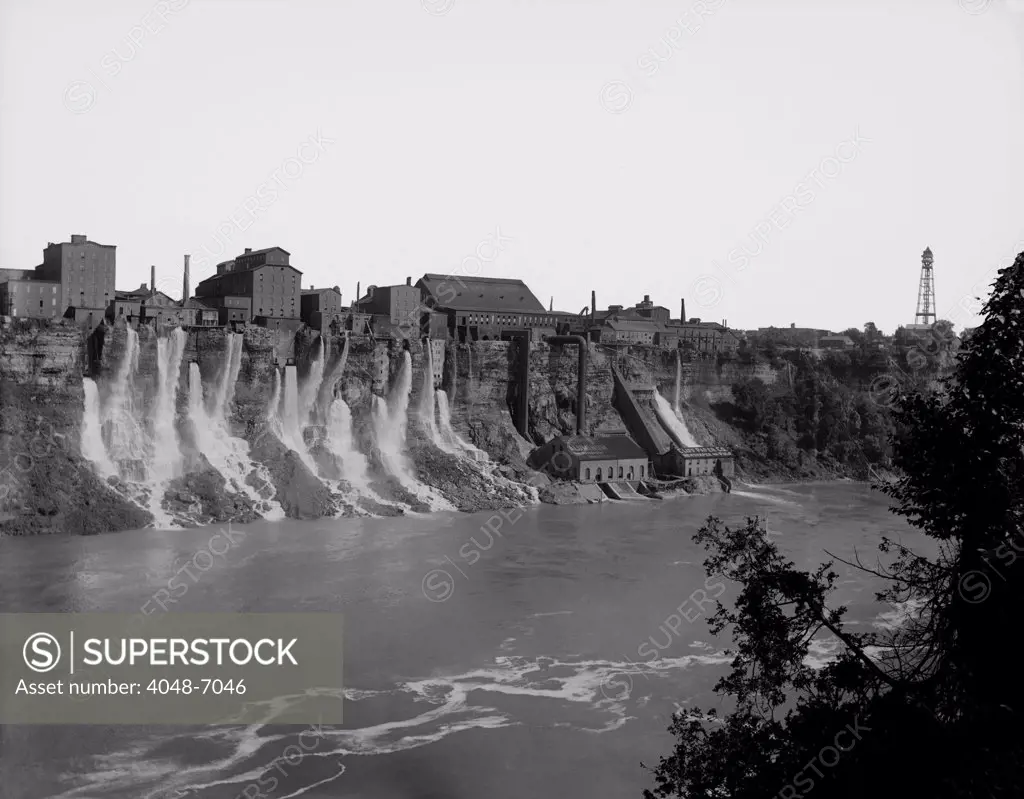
x=599 y=473
x=588 y=468
x=40 y=303
x=641 y=471
x=620 y=471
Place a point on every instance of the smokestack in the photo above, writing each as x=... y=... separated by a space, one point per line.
x=358 y=295
x=152 y=279
x=185 y=288
x=551 y=304
x=593 y=306
x=408 y=281
x=682 y=309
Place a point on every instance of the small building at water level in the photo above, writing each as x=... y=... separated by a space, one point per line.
x=706 y=460
x=593 y=460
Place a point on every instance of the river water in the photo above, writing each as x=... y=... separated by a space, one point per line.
x=536 y=663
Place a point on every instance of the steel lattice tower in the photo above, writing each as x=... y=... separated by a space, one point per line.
x=926 y=291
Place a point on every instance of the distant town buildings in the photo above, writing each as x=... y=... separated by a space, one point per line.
x=836 y=343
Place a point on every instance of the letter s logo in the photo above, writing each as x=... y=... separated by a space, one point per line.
x=41 y=652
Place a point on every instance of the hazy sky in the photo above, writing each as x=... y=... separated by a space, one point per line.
x=632 y=147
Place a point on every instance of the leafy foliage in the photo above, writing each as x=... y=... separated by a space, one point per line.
x=932 y=708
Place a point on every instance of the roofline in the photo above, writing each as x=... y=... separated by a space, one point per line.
x=265 y=249
x=433 y=276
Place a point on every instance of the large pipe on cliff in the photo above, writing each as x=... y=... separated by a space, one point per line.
x=581 y=381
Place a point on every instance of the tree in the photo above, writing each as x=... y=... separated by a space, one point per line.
x=855 y=335
x=931 y=708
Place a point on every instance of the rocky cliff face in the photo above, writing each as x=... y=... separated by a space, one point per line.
x=42 y=366
x=45 y=484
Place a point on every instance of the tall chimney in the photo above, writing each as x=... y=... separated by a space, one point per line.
x=152 y=279
x=185 y=288
x=682 y=309
x=551 y=304
x=408 y=281
x=358 y=295
x=593 y=306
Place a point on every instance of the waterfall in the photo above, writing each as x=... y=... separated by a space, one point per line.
x=354 y=465
x=274 y=408
x=165 y=460
x=310 y=392
x=453 y=394
x=675 y=426
x=426 y=409
x=679 y=384
x=123 y=434
x=226 y=453
x=448 y=436
x=92 y=433
x=326 y=395
x=225 y=393
x=391 y=425
x=289 y=426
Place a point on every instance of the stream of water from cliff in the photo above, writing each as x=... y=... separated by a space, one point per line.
x=538 y=663
x=228 y=454
x=673 y=423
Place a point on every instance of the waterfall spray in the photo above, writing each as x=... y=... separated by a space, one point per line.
x=679 y=384
x=426 y=409
x=165 y=458
x=212 y=432
x=675 y=426
x=92 y=434
x=308 y=408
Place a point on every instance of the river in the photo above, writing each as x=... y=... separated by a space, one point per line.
x=536 y=663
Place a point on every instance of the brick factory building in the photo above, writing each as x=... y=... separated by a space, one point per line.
x=85 y=270
x=321 y=309
x=77 y=274
x=256 y=284
x=488 y=308
x=396 y=310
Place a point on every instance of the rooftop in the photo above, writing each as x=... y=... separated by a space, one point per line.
x=485 y=293
x=706 y=452
x=611 y=447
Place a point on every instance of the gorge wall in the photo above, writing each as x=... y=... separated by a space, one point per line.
x=292 y=425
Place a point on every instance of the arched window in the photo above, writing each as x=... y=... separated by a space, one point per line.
x=641 y=471
x=620 y=471
x=690 y=474
x=630 y=473
x=588 y=473
x=599 y=474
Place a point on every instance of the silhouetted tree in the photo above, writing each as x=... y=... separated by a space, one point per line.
x=931 y=708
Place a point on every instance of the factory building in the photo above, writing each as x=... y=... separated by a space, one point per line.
x=262 y=284
x=593 y=460
x=489 y=308
x=77 y=274
x=85 y=270
x=321 y=309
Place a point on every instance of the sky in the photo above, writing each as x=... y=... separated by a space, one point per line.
x=770 y=161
